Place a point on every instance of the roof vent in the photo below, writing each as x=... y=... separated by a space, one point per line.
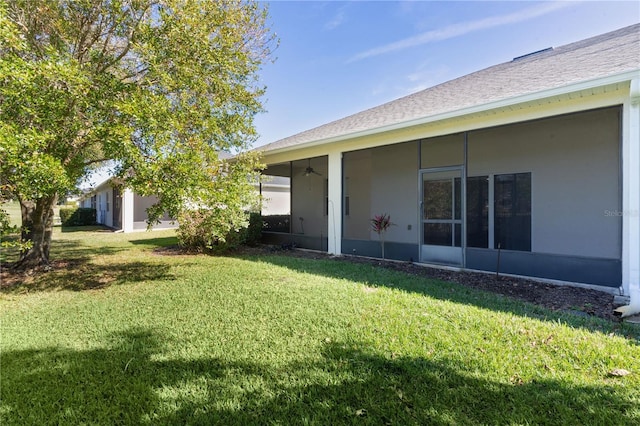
x=517 y=58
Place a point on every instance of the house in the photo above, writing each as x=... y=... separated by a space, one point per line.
x=276 y=203
x=123 y=211
x=530 y=167
x=127 y=211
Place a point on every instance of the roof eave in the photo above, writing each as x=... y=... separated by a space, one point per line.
x=507 y=102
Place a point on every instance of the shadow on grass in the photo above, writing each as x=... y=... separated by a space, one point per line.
x=128 y=381
x=156 y=242
x=379 y=276
x=75 y=249
x=87 y=228
x=66 y=248
x=73 y=268
x=80 y=275
x=8 y=254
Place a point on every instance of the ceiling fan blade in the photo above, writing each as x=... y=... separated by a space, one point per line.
x=310 y=171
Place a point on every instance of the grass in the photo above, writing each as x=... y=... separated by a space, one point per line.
x=13 y=210
x=124 y=335
x=15 y=216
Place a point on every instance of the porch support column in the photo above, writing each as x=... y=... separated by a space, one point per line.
x=335 y=203
x=631 y=200
x=127 y=210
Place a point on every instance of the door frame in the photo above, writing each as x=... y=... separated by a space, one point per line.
x=457 y=254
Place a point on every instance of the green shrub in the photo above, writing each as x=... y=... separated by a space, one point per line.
x=83 y=216
x=253 y=233
x=65 y=215
x=86 y=216
x=205 y=231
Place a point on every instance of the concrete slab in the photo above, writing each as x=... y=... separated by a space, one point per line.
x=620 y=300
x=634 y=319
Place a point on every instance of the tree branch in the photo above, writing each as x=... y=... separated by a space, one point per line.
x=96 y=161
x=129 y=38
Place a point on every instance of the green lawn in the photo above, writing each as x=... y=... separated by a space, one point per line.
x=13 y=209
x=127 y=336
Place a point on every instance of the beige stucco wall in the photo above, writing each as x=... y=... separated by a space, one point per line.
x=574 y=162
x=442 y=151
x=357 y=186
x=394 y=189
x=140 y=206
x=382 y=180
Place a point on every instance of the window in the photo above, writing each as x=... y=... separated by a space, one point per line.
x=107 y=200
x=478 y=211
x=512 y=211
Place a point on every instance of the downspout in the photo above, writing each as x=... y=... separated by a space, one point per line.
x=633 y=308
x=631 y=203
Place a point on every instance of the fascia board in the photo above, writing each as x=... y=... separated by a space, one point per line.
x=99 y=187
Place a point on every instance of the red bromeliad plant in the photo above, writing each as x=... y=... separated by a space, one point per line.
x=380 y=223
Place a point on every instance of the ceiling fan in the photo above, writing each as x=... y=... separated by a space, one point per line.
x=309 y=170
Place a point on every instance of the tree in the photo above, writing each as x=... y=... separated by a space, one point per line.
x=157 y=86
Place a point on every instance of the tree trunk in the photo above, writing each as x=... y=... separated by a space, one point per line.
x=37 y=229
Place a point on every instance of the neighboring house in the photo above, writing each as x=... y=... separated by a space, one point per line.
x=531 y=167
x=276 y=193
x=276 y=203
x=124 y=211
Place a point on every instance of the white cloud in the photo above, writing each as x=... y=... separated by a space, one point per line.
x=337 y=19
x=463 y=28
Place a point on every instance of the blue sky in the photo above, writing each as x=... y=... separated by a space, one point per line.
x=337 y=58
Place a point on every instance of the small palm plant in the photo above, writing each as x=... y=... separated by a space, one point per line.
x=380 y=223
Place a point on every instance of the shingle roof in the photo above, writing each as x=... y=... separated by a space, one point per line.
x=597 y=57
